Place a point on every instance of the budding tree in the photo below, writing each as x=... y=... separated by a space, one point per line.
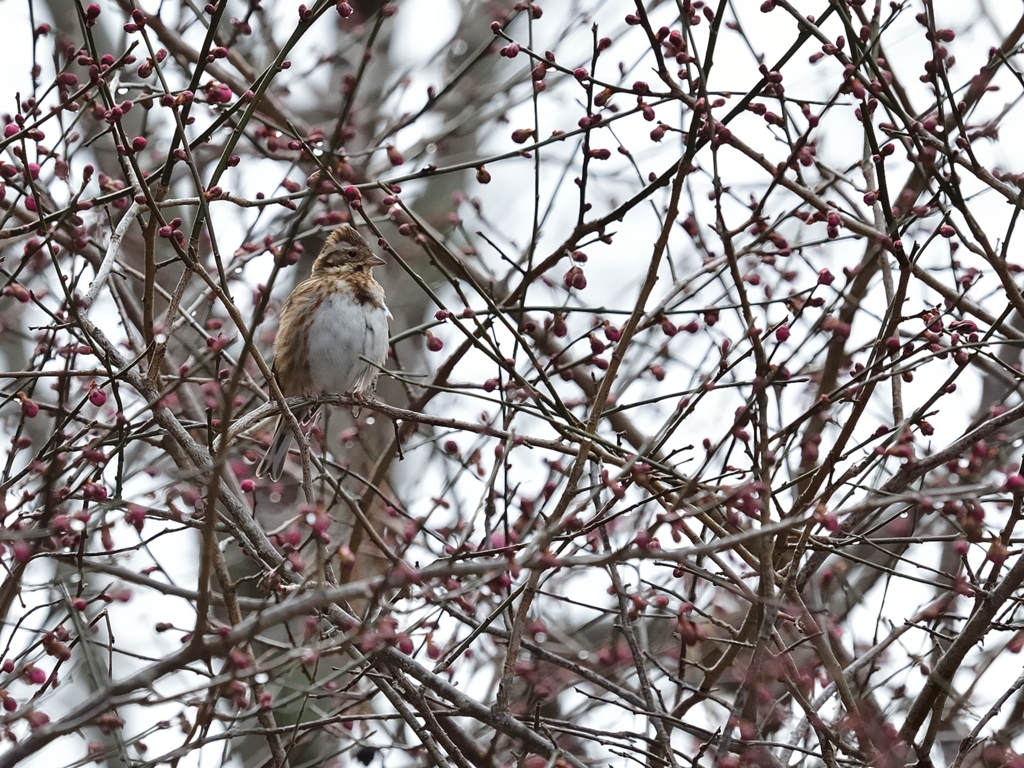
x=697 y=442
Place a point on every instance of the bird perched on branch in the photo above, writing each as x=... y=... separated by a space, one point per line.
x=333 y=334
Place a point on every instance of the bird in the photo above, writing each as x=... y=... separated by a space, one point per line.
x=333 y=334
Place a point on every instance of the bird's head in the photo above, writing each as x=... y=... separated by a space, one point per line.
x=346 y=251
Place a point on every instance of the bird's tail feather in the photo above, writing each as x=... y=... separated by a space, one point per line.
x=276 y=455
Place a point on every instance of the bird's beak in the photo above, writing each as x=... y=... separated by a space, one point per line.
x=375 y=261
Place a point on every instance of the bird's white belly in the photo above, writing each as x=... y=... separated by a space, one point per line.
x=341 y=332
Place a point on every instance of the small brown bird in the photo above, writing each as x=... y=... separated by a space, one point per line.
x=333 y=334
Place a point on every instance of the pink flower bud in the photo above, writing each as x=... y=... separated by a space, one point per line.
x=19 y=292
x=522 y=135
x=29 y=407
x=1014 y=484
x=689 y=632
x=997 y=552
x=135 y=516
x=94 y=491
x=434 y=344
x=394 y=156
x=575 y=278
x=96 y=395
